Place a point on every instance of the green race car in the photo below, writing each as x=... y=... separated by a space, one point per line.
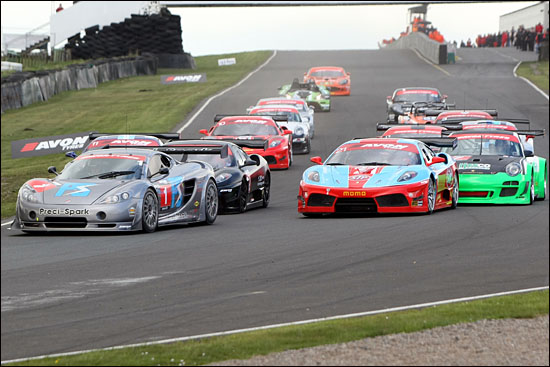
x=495 y=168
x=316 y=96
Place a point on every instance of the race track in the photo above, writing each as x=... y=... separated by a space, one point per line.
x=63 y=293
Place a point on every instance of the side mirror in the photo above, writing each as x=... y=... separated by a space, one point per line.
x=444 y=156
x=255 y=158
x=529 y=153
x=70 y=155
x=287 y=132
x=312 y=108
x=164 y=171
x=316 y=160
x=251 y=162
x=203 y=131
x=436 y=160
x=52 y=169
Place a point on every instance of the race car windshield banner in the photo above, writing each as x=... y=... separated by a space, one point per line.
x=188 y=78
x=48 y=145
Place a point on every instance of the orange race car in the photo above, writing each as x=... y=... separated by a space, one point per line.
x=334 y=78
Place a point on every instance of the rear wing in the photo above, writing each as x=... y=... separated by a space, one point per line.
x=440 y=142
x=247 y=143
x=492 y=112
x=222 y=150
x=166 y=136
x=383 y=126
x=541 y=132
x=276 y=118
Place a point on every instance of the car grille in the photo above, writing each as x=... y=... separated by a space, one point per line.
x=392 y=200
x=509 y=191
x=65 y=222
x=320 y=200
x=474 y=194
x=353 y=205
x=270 y=159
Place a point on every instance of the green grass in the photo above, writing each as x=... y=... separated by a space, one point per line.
x=246 y=345
x=536 y=72
x=138 y=104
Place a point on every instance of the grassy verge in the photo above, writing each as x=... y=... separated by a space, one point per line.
x=246 y=345
x=536 y=72
x=138 y=104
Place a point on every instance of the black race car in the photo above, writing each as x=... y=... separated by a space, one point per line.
x=401 y=101
x=244 y=181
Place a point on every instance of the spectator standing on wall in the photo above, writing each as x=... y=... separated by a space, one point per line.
x=59 y=8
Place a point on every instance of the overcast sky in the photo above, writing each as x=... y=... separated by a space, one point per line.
x=209 y=30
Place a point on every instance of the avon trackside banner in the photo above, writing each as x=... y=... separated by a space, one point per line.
x=48 y=145
x=188 y=78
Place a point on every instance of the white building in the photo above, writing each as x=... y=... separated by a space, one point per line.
x=528 y=17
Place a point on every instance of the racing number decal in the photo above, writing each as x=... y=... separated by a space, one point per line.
x=171 y=192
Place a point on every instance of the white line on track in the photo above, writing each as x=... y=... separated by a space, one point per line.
x=394 y=309
x=529 y=82
x=224 y=91
x=6 y=223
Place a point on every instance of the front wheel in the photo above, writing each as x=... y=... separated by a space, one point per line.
x=431 y=197
x=544 y=187
x=455 y=194
x=267 y=189
x=243 y=197
x=211 y=202
x=149 y=212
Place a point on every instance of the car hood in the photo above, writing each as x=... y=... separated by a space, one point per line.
x=83 y=192
x=484 y=163
x=360 y=177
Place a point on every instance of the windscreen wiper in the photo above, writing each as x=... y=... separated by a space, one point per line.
x=110 y=174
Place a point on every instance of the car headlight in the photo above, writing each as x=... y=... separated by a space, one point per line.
x=319 y=97
x=299 y=132
x=513 y=169
x=275 y=143
x=29 y=194
x=223 y=177
x=343 y=81
x=409 y=175
x=314 y=176
x=116 y=198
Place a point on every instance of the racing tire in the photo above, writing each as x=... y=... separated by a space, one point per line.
x=267 y=191
x=243 y=197
x=308 y=147
x=291 y=157
x=455 y=194
x=211 y=202
x=150 y=212
x=430 y=197
x=545 y=187
x=532 y=190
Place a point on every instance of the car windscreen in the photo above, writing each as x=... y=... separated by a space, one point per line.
x=243 y=129
x=358 y=155
x=215 y=160
x=417 y=97
x=327 y=73
x=292 y=116
x=104 y=166
x=485 y=146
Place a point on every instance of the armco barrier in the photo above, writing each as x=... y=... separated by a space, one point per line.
x=432 y=50
x=24 y=88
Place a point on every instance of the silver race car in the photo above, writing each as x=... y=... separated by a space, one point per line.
x=119 y=189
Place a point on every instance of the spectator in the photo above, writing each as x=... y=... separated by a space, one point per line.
x=469 y=43
x=462 y=44
x=538 y=28
x=59 y=8
x=511 y=41
x=505 y=39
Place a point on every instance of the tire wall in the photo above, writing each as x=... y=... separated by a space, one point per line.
x=25 y=88
x=432 y=50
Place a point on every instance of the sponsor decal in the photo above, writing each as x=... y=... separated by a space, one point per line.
x=112 y=156
x=48 y=145
x=63 y=211
x=189 y=78
x=41 y=185
x=74 y=189
x=170 y=192
x=482 y=166
x=487 y=137
x=229 y=61
x=418 y=91
x=385 y=146
x=197 y=203
x=354 y=194
x=130 y=141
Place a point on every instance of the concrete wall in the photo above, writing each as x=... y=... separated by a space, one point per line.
x=432 y=50
x=528 y=17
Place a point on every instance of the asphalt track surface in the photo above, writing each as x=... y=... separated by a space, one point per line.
x=69 y=292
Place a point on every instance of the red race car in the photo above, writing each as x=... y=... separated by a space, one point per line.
x=411 y=131
x=277 y=140
x=378 y=175
x=334 y=78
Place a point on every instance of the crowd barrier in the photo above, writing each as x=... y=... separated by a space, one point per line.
x=24 y=88
x=432 y=50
